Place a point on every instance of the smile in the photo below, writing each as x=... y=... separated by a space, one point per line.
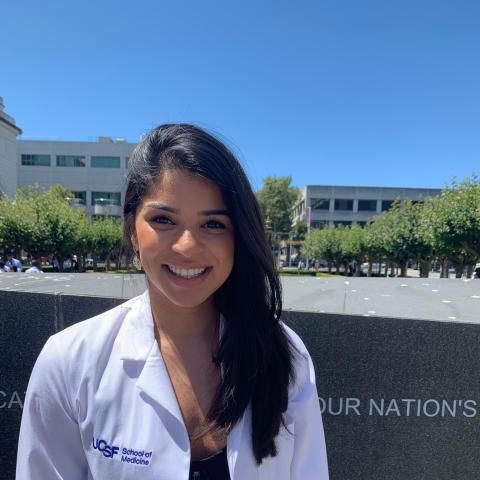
x=186 y=272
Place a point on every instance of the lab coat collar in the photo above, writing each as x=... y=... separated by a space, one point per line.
x=137 y=336
x=137 y=343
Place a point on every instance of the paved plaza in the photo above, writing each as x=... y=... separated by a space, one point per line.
x=455 y=300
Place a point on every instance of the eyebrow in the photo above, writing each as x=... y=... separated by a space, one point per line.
x=162 y=206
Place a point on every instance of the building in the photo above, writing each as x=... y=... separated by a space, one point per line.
x=327 y=206
x=94 y=171
x=8 y=152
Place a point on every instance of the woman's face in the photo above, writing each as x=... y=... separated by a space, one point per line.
x=185 y=238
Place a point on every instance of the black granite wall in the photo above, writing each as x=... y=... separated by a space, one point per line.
x=400 y=398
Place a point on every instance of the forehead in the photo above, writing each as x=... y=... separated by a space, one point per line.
x=180 y=187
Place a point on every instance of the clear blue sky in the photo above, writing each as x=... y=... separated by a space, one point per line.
x=349 y=92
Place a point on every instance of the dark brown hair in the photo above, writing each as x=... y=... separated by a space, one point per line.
x=255 y=353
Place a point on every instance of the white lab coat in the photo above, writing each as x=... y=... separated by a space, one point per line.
x=100 y=405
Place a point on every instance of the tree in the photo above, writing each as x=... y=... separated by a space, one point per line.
x=395 y=236
x=106 y=239
x=323 y=244
x=451 y=223
x=40 y=223
x=276 y=199
x=353 y=246
x=61 y=223
x=299 y=231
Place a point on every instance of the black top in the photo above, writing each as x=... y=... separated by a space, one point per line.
x=210 y=468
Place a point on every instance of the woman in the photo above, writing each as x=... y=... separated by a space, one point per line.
x=197 y=378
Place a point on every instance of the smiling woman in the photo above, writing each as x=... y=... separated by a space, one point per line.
x=184 y=239
x=198 y=377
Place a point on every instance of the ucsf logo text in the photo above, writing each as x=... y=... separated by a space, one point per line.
x=102 y=446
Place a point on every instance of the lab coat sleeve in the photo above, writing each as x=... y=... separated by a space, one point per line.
x=309 y=455
x=50 y=446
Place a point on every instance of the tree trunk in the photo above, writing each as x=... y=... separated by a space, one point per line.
x=329 y=264
x=470 y=270
x=370 y=266
x=403 y=268
x=443 y=269
x=358 y=271
x=392 y=269
x=458 y=269
x=425 y=266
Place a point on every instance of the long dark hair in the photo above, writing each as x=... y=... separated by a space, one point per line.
x=255 y=353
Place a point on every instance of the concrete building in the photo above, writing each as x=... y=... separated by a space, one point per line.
x=325 y=205
x=8 y=152
x=94 y=171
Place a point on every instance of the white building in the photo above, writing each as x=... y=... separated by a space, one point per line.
x=328 y=206
x=94 y=171
x=8 y=152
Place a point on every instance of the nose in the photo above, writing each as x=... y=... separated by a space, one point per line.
x=187 y=244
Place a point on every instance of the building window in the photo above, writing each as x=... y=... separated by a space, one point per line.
x=36 y=160
x=105 y=162
x=387 y=205
x=127 y=160
x=71 y=161
x=367 y=205
x=344 y=223
x=80 y=198
x=106 y=198
x=319 y=223
x=345 y=205
x=320 y=203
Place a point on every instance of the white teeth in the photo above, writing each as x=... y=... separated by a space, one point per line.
x=186 y=273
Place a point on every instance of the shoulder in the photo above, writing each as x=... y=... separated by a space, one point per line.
x=85 y=348
x=302 y=362
x=96 y=333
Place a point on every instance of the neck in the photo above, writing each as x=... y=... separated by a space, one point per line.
x=180 y=325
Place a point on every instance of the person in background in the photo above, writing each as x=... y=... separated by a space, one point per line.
x=13 y=262
x=3 y=268
x=35 y=268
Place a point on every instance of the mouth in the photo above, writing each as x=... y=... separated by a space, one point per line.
x=187 y=273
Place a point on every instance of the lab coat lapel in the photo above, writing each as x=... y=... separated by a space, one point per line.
x=154 y=381
x=234 y=444
x=138 y=344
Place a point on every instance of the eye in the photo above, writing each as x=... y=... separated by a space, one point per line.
x=162 y=220
x=214 y=224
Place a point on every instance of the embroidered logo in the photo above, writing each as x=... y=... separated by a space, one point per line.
x=127 y=455
x=102 y=446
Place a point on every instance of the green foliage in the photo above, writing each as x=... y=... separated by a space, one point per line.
x=395 y=235
x=353 y=244
x=43 y=223
x=323 y=244
x=446 y=227
x=451 y=222
x=298 y=231
x=276 y=199
x=106 y=236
